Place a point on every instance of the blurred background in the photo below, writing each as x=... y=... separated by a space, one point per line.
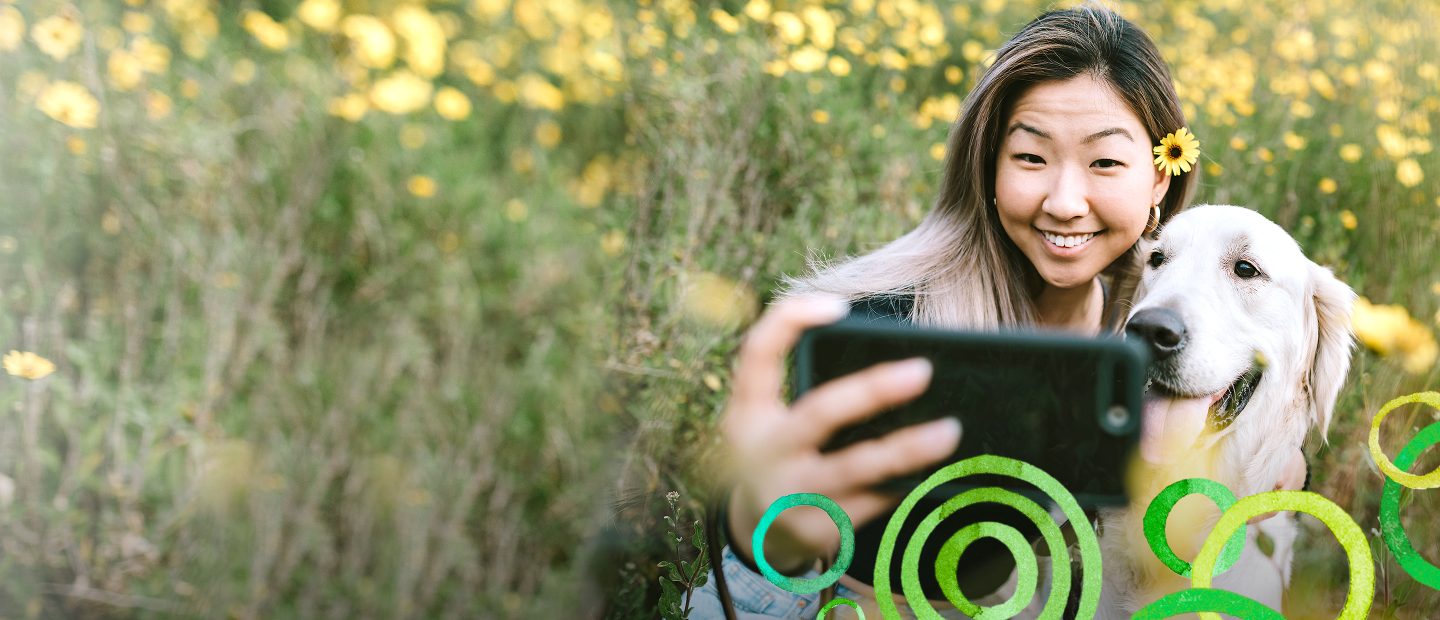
x=367 y=308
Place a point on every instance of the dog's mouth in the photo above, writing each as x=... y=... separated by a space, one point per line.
x=1172 y=422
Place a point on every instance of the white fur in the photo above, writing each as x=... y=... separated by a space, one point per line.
x=1296 y=315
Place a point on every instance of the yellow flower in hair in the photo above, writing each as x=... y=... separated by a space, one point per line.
x=1177 y=152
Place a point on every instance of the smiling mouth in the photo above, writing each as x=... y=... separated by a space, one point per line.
x=1234 y=399
x=1068 y=241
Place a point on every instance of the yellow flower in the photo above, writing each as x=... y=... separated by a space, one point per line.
x=536 y=92
x=270 y=34
x=452 y=104
x=820 y=116
x=808 y=59
x=58 y=35
x=1348 y=220
x=515 y=210
x=158 y=105
x=69 y=103
x=1238 y=143
x=400 y=93
x=1327 y=185
x=243 y=71
x=27 y=365
x=613 y=243
x=12 y=28
x=351 y=107
x=1408 y=172
x=1389 y=330
x=839 y=66
x=725 y=21
x=154 y=57
x=134 y=21
x=321 y=15
x=1177 y=152
x=125 y=70
x=547 y=133
x=421 y=186
x=1350 y=153
x=424 y=40
x=372 y=42
x=791 y=29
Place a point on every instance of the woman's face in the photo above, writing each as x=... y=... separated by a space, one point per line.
x=1075 y=178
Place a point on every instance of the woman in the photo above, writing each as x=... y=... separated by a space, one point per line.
x=1049 y=185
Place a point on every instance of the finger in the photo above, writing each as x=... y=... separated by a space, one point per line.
x=900 y=452
x=855 y=397
x=762 y=352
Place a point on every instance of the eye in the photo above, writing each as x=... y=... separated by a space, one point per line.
x=1107 y=163
x=1030 y=158
x=1156 y=258
x=1245 y=270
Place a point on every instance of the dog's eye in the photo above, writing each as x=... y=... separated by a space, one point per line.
x=1245 y=270
x=1156 y=258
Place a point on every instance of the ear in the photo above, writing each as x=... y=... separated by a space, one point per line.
x=1162 y=185
x=1333 y=300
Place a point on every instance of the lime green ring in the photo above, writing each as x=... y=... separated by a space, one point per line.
x=949 y=561
x=1159 y=512
x=847 y=542
x=990 y=464
x=1427 y=481
x=1357 y=550
x=1391 y=529
x=1205 y=600
x=838 y=602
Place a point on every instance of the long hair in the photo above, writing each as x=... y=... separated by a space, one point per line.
x=962 y=268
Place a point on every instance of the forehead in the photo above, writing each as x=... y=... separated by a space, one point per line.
x=1079 y=103
x=1224 y=230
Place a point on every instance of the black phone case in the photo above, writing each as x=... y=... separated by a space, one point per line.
x=1067 y=404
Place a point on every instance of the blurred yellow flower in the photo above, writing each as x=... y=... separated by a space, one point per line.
x=155 y=57
x=125 y=70
x=321 y=15
x=937 y=151
x=137 y=22
x=717 y=300
x=612 y=243
x=421 y=186
x=1177 y=152
x=1348 y=220
x=953 y=74
x=1350 y=153
x=1408 y=172
x=515 y=210
x=1238 y=143
x=537 y=92
x=789 y=27
x=590 y=188
x=839 y=66
x=822 y=26
x=158 y=105
x=243 y=71
x=401 y=92
x=758 y=10
x=491 y=8
x=547 y=133
x=820 y=116
x=725 y=21
x=76 y=145
x=424 y=39
x=1264 y=154
x=69 y=103
x=452 y=104
x=12 y=28
x=370 y=40
x=1294 y=141
x=58 y=35
x=270 y=34
x=605 y=65
x=808 y=59
x=1327 y=185
x=27 y=365
x=190 y=88
x=1389 y=330
x=351 y=107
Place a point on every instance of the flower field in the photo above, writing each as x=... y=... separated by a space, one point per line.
x=368 y=308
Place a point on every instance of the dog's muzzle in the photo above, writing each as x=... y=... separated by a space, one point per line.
x=1162 y=331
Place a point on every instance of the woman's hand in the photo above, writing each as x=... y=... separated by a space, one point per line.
x=776 y=449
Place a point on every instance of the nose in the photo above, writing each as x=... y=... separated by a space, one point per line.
x=1066 y=199
x=1161 y=329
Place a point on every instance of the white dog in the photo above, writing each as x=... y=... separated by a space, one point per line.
x=1250 y=345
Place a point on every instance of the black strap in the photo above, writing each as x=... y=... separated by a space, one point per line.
x=714 y=523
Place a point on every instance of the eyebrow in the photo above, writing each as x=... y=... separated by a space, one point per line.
x=1088 y=139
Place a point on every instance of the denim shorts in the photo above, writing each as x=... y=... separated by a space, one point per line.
x=755 y=598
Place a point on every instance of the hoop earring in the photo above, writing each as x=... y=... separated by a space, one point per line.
x=1153 y=222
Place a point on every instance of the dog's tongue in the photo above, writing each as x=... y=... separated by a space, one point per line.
x=1170 y=425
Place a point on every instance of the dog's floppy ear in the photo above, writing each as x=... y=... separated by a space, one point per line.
x=1333 y=301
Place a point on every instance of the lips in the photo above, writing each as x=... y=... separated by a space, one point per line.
x=1171 y=423
x=1067 y=244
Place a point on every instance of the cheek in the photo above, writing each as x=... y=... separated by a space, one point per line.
x=1127 y=203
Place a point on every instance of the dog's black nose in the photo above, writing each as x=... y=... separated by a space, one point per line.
x=1161 y=329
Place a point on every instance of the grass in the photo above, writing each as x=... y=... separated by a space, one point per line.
x=288 y=386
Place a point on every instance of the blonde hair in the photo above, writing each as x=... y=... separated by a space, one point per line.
x=962 y=268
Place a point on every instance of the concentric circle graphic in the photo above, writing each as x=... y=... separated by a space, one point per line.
x=1159 y=512
x=990 y=464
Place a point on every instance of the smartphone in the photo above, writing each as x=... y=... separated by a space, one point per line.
x=1068 y=405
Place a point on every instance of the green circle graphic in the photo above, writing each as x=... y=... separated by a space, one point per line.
x=949 y=560
x=1391 y=529
x=836 y=602
x=1206 y=600
x=1159 y=512
x=847 y=542
x=991 y=464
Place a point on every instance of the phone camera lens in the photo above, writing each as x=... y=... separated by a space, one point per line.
x=1117 y=418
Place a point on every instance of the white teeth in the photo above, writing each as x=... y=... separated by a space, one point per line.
x=1069 y=241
